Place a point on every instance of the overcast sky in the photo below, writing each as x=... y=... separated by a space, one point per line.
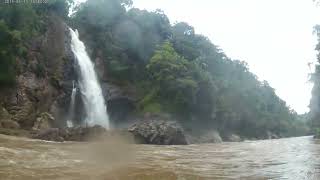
x=274 y=36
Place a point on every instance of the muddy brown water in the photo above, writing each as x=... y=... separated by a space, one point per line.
x=292 y=158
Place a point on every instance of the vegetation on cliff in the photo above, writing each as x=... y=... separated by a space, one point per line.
x=175 y=70
x=181 y=72
x=19 y=22
x=314 y=115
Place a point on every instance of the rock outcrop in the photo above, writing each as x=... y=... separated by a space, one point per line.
x=44 y=121
x=83 y=133
x=71 y=134
x=159 y=132
x=52 y=134
x=44 y=78
x=9 y=124
x=205 y=137
x=120 y=101
x=271 y=135
x=232 y=138
x=6 y=120
x=4 y=114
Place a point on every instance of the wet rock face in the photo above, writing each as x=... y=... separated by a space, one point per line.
x=159 y=132
x=44 y=79
x=120 y=102
x=64 y=74
x=4 y=114
x=31 y=94
x=43 y=121
x=100 y=66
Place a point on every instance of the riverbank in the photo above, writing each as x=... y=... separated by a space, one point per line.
x=145 y=131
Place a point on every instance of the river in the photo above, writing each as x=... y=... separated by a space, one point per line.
x=291 y=158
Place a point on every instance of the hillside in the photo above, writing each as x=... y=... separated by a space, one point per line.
x=147 y=67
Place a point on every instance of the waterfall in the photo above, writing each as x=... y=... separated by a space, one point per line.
x=71 y=108
x=90 y=89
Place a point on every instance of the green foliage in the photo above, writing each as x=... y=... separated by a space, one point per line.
x=8 y=40
x=125 y=39
x=175 y=70
x=40 y=70
x=180 y=72
x=172 y=75
x=19 y=23
x=152 y=108
x=99 y=13
x=21 y=17
x=58 y=7
x=317 y=133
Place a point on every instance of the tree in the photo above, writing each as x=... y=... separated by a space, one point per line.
x=19 y=23
x=7 y=75
x=170 y=73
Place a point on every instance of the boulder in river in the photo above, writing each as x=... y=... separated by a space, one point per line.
x=271 y=135
x=211 y=136
x=71 y=134
x=83 y=133
x=52 y=134
x=232 y=138
x=159 y=132
x=9 y=124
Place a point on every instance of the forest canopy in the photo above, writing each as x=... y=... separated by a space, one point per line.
x=174 y=69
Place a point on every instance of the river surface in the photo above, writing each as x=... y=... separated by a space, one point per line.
x=292 y=158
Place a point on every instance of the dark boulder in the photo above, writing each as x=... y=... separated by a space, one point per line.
x=9 y=124
x=71 y=134
x=52 y=134
x=159 y=132
x=232 y=138
x=211 y=136
x=271 y=135
x=83 y=133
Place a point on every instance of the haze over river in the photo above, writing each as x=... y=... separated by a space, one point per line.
x=292 y=158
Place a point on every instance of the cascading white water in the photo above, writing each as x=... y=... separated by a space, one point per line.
x=91 y=92
x=71 y=108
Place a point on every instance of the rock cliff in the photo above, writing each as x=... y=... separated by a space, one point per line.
x=44 y=78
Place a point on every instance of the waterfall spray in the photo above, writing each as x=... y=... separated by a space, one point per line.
x=71 y=107
x=90 y=89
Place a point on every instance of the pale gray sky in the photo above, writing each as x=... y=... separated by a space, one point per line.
x=273 y=36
